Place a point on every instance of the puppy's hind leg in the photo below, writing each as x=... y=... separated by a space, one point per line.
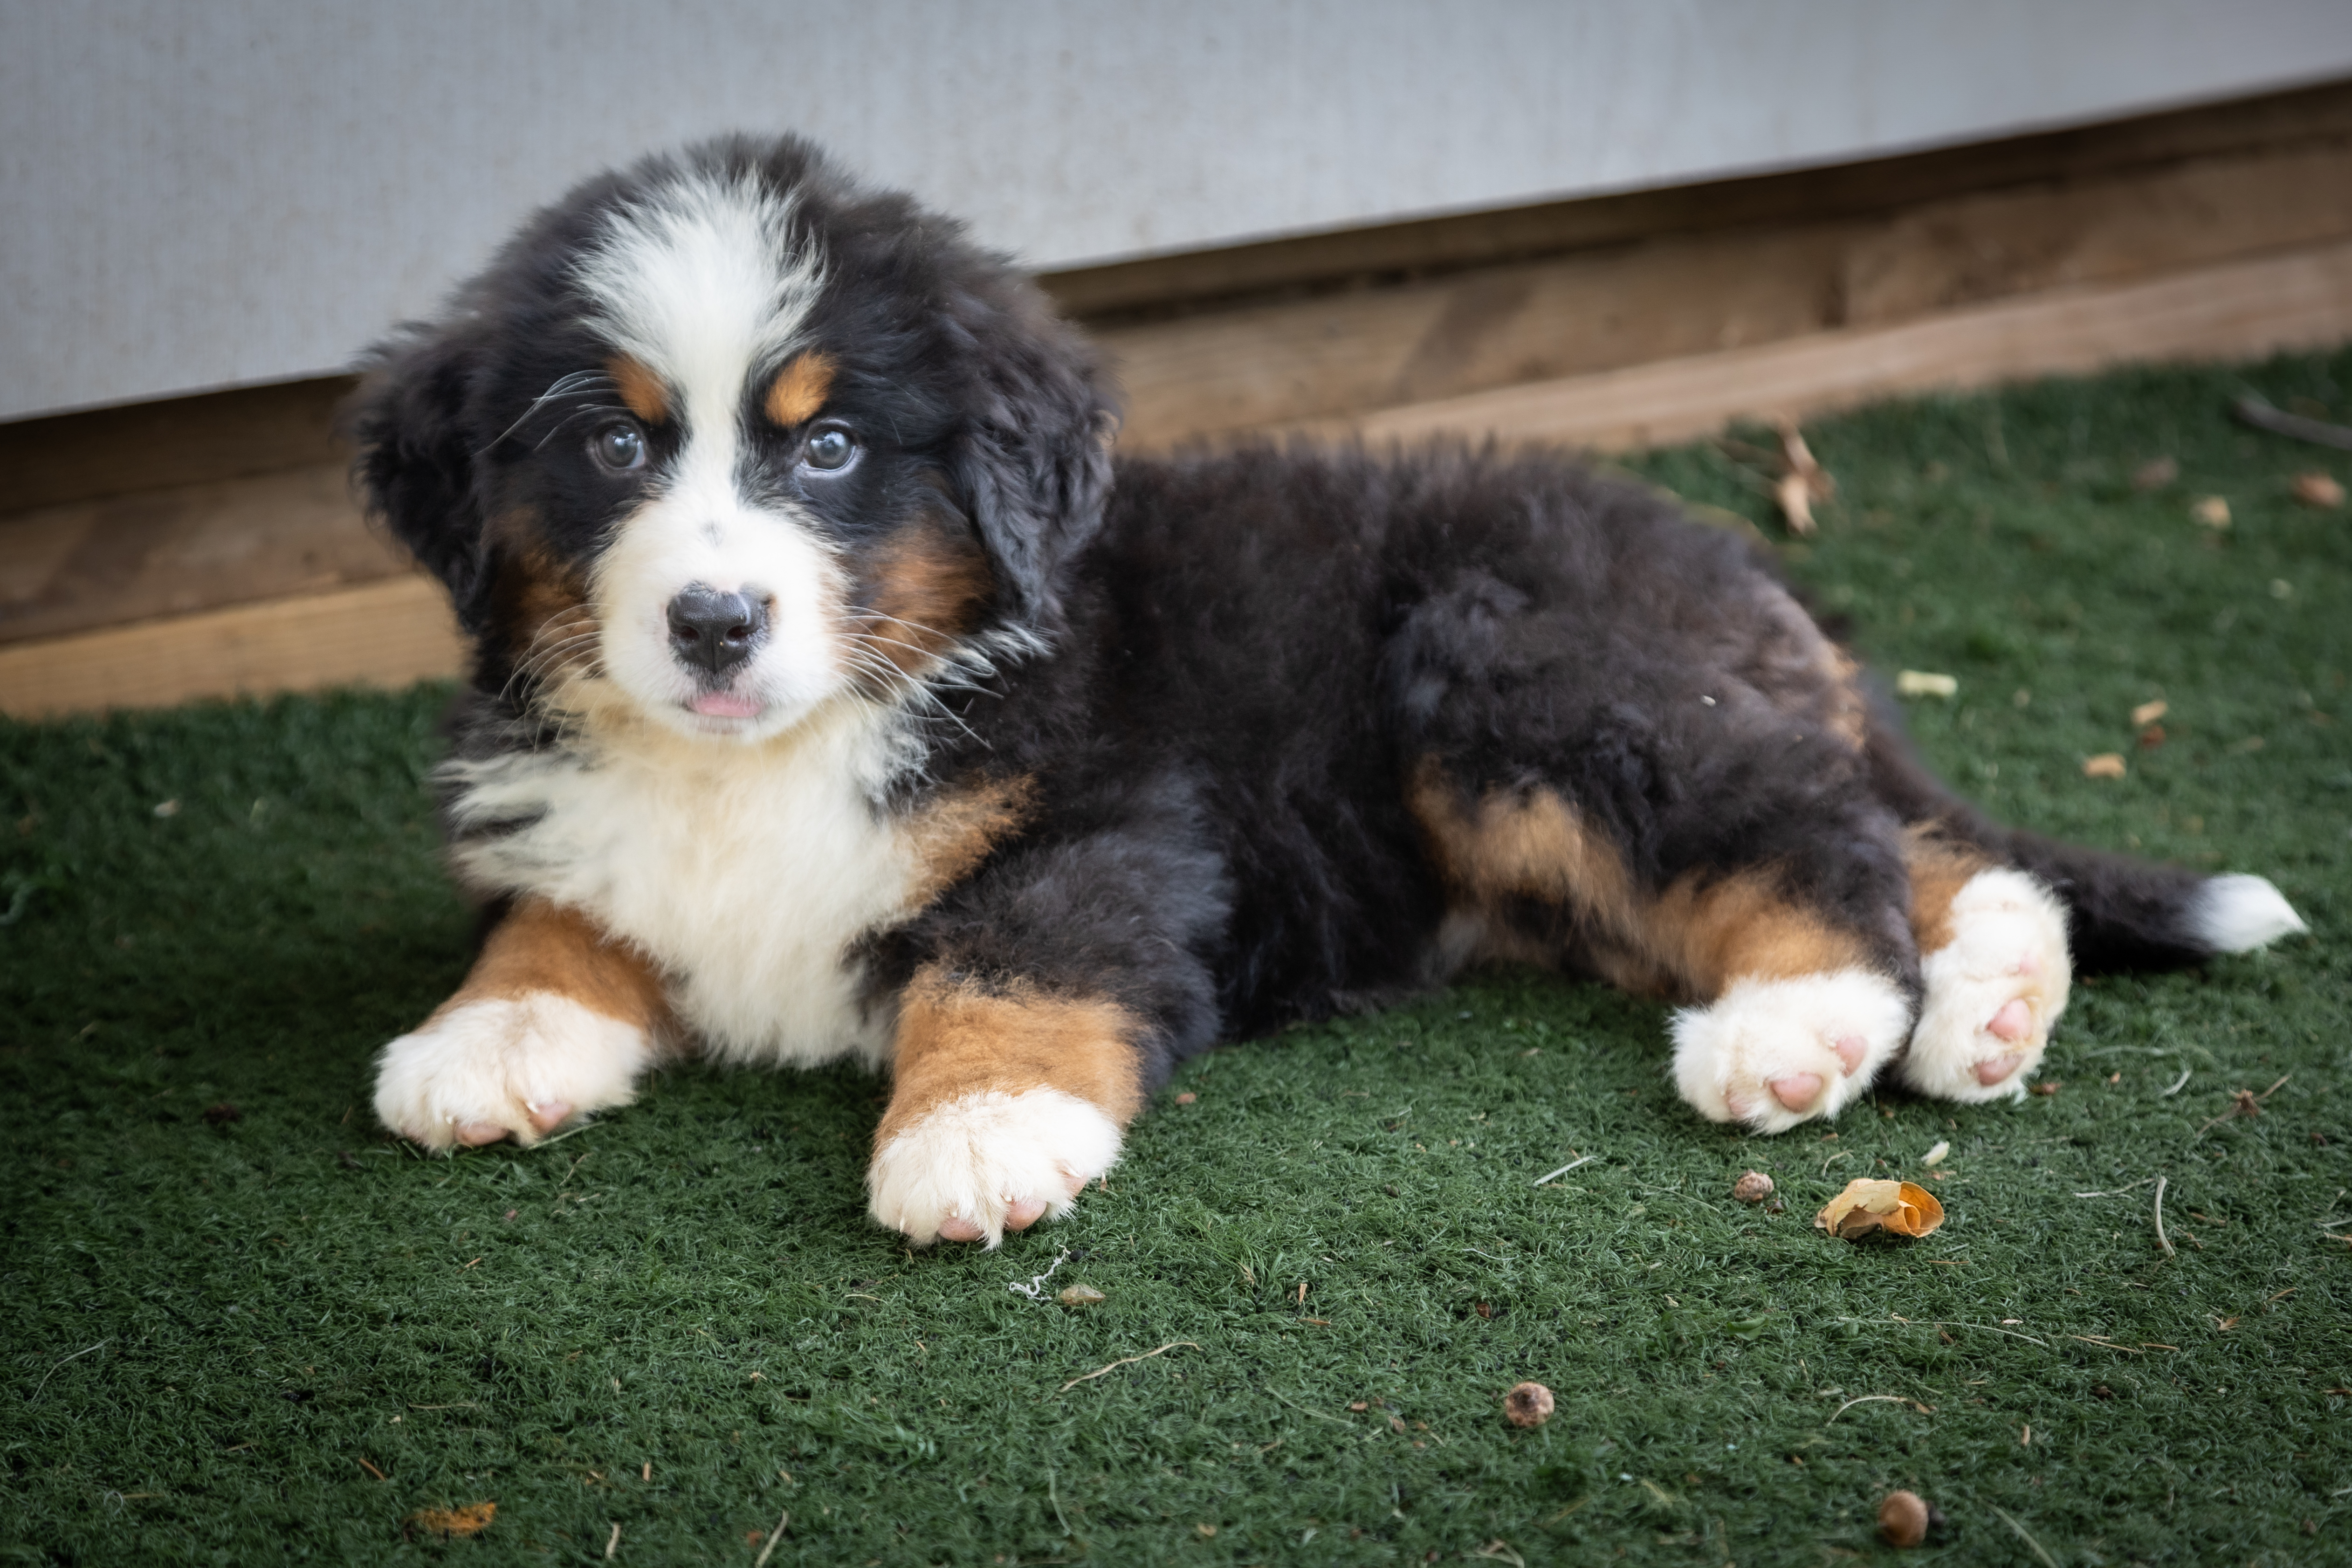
x=1994 y=961
x=1800 y=998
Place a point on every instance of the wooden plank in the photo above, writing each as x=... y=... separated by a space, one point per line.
x=384 y=634
x=1345 y=353
x=1157 y=286
x=188 y=548
x=2302 y=300
x=172 y=441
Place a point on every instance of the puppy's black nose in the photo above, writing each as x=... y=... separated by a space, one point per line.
x=715 y=630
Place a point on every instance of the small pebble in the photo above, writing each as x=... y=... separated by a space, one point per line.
x=1529 y=1404
x=1935 y=1156
x=1187 y=1097
x=2213 y=511
x=1903 y=1520
x=168 y=808
x=2318 y=489
x=2155 y=474
x=1753 y=1187
x=1079 y=1295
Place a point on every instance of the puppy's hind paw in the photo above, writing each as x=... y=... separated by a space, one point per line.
x=1773 y=1053
x=1993 y=992
x=511 y=1066
x=976 y=1167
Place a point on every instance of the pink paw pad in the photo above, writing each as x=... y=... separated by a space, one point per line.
x=955 y=1227
x=549 y=1115
x=1023 y=1214
x=1798 y=1090
x=1993 y=1069
x=2013 y=1022
x=1850 y=1049
x=473 y=1134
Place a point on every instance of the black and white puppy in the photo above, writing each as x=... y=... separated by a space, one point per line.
x=836 y=693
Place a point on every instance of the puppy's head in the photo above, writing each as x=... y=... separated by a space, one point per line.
x=725 y=437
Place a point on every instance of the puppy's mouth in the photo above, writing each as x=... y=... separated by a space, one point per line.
x=725 y=705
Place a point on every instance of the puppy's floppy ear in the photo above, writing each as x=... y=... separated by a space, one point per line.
x=1033 y=462
x=415 y=463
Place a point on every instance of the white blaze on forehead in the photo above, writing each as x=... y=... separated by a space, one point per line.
x=702 y=281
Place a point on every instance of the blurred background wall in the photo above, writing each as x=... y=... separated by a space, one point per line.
x=195 y=196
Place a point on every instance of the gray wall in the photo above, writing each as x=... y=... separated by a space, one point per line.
x=209 y=193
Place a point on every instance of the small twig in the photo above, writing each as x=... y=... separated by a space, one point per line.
x=773 y=1536
x=1867 y=1399
x=2256 y=411
x=2117 y=1192
x=613 y=1543
x=52 y=1371
x=2021 y=1535
x=2106 y=1344
x=371 y=1470
x=1564 y=1170
x=1053 y=1498
x=2176 y=1084
x=1123 y=1361
x=462 y=1406
x=1303 y=1410
x=2161 y=1240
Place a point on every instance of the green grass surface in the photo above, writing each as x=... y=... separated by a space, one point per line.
x=280 y=1335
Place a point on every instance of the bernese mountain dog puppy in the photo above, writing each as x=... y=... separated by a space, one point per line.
x=837 y=692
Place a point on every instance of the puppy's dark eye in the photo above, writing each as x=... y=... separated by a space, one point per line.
x=829 y=450
x=618 y=447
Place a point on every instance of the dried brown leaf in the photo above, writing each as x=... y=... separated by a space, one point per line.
x=471 y=1520
x=2147 y=713
x=2106 y=765
x=1905 y=1208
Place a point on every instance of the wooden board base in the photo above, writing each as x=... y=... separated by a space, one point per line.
x=2303 y=299
x=385 y=634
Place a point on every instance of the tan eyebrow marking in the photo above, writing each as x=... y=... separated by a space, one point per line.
x=800 y=389
x=641 y=389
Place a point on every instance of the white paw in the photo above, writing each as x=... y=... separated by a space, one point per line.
x=1993 y=993
x=1773 y=1053
x=988 y=1162
x=520 y=1067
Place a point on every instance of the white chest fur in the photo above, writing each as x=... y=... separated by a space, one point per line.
x=745 y=871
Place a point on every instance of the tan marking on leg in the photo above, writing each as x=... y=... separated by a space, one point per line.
x=1521 y=845
x=953 y=833
x=925 y=586
x=1939 y=868
x=1742 y=927
x=544 y=947
x=954 y=1039
x=1692 y=940
x=640 y=389
x=800 y=389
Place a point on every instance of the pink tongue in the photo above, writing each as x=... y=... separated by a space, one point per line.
x=724 y=705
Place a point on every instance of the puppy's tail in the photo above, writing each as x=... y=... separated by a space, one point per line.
x=2122 y=913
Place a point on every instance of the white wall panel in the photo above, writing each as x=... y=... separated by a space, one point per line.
x=204 y=195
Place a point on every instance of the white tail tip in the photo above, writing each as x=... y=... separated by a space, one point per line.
x=2237 y=914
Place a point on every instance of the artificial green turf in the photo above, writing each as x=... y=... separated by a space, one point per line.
x=216 y=1334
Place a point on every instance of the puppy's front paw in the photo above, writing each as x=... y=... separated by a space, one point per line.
x=1773 y=1053
x=1993 y=991
x=988 y=1163
x=519 y=1067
